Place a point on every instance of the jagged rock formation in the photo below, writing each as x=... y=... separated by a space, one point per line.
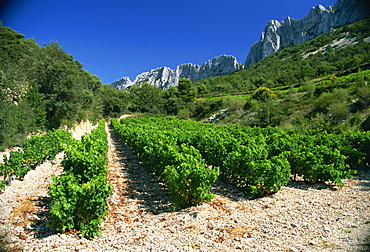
x=319 y=20
x=276 y=36
x=122 y=83
x=164 y=77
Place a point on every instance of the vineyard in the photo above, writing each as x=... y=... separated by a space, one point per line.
x=79 y=194
x=329 y=82
x=199 y=164
x=189 y=156
x=33 y=152
x=284 y=165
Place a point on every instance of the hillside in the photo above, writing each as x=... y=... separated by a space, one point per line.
x=324 y=79
x=280 y=34
x=41 y=88
x=338 y=52
x=320 y=84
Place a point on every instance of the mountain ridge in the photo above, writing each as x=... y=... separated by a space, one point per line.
x=280 y=34
x=276 y=36
x=163 y=77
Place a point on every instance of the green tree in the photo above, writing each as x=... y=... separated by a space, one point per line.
x=363 y=96
x=115 y=102
x=310 y=89
x=323 y=102
x=147 y=98
x=339 y=110
x=263 y=94
x=172 y=103
x=41 y=87
x=187 y=91
x=70 y=92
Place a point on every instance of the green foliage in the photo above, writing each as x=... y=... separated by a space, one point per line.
x=115 y=102
x=250 y=167
x=188 y=179
x=363 y=95
x=271 y=175
x=324 y=101
x=146 y=98
x=2 y=185
x=234 y=103
x=88 y=157
x=79 y=205
x=335 y=104
x=356 y=147
x=310 y=89
x=365 y=125
x=323 y=164
x=186 y=90
x=263 y=94
x=79 y=194
x=64 y=193
x=338 y=110
x=41 y=88
x=3 y=172
x=181 y=167
x=259 y=160
x=16 y=164
x=40 y=147
x=16 y=121
x=34 y=151
x=205 y=108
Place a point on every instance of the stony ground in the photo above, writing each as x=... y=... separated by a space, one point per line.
x=299 y=217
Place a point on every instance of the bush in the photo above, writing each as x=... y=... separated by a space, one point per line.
x=250 y=167
x=188 y=179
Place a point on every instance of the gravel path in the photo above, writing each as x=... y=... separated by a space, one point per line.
x=299 y=217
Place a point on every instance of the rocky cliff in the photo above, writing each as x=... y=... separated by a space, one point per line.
x=164 y=77
x=123 y=83
x=276 y=35
x=319 y=20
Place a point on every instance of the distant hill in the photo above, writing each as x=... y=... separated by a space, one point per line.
x=321 y=84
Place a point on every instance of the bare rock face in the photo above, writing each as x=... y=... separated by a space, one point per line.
x=122 y=84
x=220 y=65
x=319 y=20
x=164 y=77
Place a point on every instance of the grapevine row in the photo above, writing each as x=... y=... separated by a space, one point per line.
x=79 y=194
x=260 y=160
x=181 y=166
x=33 y=152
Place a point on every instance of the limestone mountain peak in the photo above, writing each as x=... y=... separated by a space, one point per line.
x=279 y=34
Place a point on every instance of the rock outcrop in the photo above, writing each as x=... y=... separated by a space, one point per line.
x=123 y=83
x=164 y=77
x=319 y=20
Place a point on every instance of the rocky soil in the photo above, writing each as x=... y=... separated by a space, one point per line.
x=299 y=217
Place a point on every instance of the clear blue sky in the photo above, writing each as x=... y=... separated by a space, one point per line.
x=116 y=38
